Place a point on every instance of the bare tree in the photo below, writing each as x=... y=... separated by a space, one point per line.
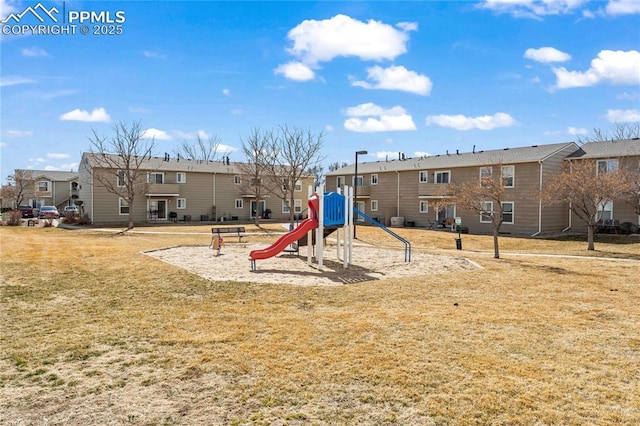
x=619 y=131
x=254 y=171
x=19 y=187
x=293 y=152
x=337 y=165
x=484 y=196
x=119 y=162
x=586 y=190
x=202 y=149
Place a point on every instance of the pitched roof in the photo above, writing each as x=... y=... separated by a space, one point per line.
x=51 y=175
x=164 y=164
x=608 y=149
x=517 y=155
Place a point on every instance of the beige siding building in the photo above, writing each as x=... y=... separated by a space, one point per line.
x=173 y=189
x=416 y=189
x=51 y=188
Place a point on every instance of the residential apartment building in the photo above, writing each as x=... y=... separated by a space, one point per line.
x=48 y=188
x=612 y=155
x=184 y=190
x=415 y=189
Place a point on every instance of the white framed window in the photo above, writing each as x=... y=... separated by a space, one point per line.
x=605 y=210
x=43 y=186
x=120 y=179
x=123 y=207
x=155 y=177
x=357 y=180
x=442 y=176
x=374 y=205
x=297 y=206
x=181 y=177
x=604 y=166
x=256 y=181
x=485 y=174
x=298 y=186
x=507 y=212
x=237 y=180
x=374 y=179
x=424 y=206
x=285 y=206
x=487 y=211
x=508 y=175
x=360 y=206
x=239 y=203
x=181 y=203
x=423 y=176
x=339 y=181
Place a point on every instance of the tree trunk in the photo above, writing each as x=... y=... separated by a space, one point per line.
x=591 y=230
x=496 y=250
x=130 y=224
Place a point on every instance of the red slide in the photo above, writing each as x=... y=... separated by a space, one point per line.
x=282 y=242
x=291 y=236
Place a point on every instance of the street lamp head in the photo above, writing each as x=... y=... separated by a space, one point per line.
x=361 y=152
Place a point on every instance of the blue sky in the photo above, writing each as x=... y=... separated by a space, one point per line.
x=418 y=77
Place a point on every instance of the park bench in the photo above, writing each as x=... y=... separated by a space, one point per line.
x=239 y=230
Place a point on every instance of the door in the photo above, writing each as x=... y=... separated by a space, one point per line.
x=158 y=209
x=259 y=209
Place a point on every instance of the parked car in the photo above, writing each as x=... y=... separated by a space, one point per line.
x=28 y=212
x=74 y=210
x=49 y=212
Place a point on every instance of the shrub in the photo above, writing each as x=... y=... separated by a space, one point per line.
x=14 y=218
x=69 y=217
x=83 y=220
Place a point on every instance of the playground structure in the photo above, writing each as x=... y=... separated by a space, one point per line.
x=328 y=212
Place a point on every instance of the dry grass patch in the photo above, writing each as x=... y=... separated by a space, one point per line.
x=92 y=331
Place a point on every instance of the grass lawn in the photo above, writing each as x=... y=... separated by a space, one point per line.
x=93 y=332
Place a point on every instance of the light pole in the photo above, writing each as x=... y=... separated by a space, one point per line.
x=355 y=189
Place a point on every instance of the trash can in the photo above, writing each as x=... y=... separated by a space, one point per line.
x=204 y=218
x=459 y=243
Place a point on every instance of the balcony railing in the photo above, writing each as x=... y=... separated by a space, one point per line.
x=162 y=189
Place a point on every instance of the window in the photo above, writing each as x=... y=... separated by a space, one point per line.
x=339 y=181
x=285 y=206
x=297 y=206
x=182 y=203
x=123 y=206
x=485 y=175
x=507 y=212
x=424 y=206
x=298 y=186
x=43 y=186
x=604 y=166
x=374 y=205
x=357 y=181
x=487 y=212
x=423 y=177
x=374 y=179
x=442 y=177
x=120 y=178
x=237 y=180
x=605 y=210
x=181 y=177
x=360 y=206
x=508 y=172
x=155 y=177
x=256 y=182
x=239 y=203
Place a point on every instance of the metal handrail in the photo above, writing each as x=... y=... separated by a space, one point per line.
x=407 y=244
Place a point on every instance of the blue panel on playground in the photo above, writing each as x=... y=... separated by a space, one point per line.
x=333 y=209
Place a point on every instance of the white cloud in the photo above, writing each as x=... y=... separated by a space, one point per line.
x=342 y=36
x=626 y=96
x=532 y=8
x=377 y=119
x=421 y=154
x=461 y=122
x=622 y=7
x=546 y=55
x=622 y=115
x=386 y=155
x=36 y=160
x=395 y=78
x=295 y=71
x=577 y=131
x=329 y=128
x=14 y=80
x=614 y=67
x=153 y=55
x=3 y=145
x=222 y=148
x=58 y=156
x=226 y=92
x=153 y=133
x=34 y=52
x=98 y=115
x=7 y=7
x=19 y=133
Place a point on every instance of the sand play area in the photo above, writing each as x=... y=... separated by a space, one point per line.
x=369 y=263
